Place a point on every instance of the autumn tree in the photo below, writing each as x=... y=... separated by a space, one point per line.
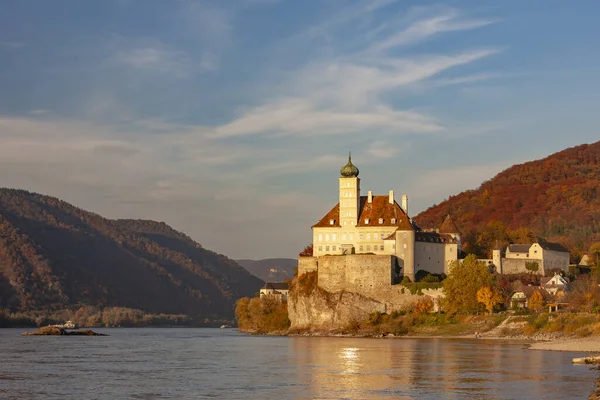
x=490 y=297
x=595 y=258
x=423 y=306
x=521 y=235
x=536 y=301
x=307 y=252
x=493 y=234
x=464 y=280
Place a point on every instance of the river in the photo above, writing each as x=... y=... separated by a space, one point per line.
x=203 y=363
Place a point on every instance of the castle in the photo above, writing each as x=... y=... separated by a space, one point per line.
x=378 y=226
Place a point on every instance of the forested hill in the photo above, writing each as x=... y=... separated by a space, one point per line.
x=557 y=199
x=54 y=255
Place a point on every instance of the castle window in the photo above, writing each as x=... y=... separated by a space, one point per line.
x=345 y=222
x=320 y=248
x=334 y=237
x=327 y=238
x=320 y=238
x=368 y=248
x=331 y=221
x=368 y=236
x=380 y=220
x=344 y=236
x=393 y=220
x=375 y=236
x=360 y=248
x=381 y=247
x=352 y=236
x=361 y=236
x=333 y=248
x=366 y=220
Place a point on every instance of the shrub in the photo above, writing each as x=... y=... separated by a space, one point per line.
x=423 y=306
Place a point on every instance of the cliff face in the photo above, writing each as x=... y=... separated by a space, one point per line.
x=310 y=307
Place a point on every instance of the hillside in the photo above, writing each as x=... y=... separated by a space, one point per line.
x=271 y=269
x=54 y=256
x=556 y=198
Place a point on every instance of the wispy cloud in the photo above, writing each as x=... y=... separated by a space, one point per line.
x=422 y=29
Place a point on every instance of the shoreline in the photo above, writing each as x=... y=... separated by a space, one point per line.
x=586 y=345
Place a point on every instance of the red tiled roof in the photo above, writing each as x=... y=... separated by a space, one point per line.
x=380 y=207
x=448 y=226
x=333 y=214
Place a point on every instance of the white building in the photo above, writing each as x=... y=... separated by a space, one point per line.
x=375 y=224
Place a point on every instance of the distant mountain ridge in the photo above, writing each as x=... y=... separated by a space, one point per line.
x=54 y=255
x=557 y=198
x=271 y=269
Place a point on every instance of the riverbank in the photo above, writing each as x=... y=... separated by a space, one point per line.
x=588 y=344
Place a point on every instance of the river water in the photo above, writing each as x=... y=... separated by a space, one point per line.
x=186 y=363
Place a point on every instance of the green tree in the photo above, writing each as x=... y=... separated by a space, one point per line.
x=461 y=286
x=532 y=266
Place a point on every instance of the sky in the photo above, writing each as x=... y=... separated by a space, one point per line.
x=229 y=120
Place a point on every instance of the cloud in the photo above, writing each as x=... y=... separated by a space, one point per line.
x=345 y=98
x=424 y=28
x=302 y=117
x=381 y=149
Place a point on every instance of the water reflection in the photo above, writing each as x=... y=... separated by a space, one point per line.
x=430 y=369
x=224 y=364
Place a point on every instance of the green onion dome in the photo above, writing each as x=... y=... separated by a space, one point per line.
x=349 y=170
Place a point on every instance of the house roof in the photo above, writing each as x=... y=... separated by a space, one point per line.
x=448 y=226
x=434 y=237
x=528 y=291
x=380 y=207
x=276 y=286
x=519 y=248
x=553 y=246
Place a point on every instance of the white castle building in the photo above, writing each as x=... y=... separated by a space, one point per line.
x=378 y=225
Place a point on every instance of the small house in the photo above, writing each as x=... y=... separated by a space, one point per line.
x=276 y=289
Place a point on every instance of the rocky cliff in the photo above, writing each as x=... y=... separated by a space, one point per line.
x=310 y=307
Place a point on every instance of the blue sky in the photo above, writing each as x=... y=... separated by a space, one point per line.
x=230 y=120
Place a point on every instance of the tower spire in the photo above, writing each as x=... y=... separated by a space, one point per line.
x=349 y=170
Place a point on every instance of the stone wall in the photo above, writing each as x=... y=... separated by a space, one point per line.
x=359 y=273
x=517 y=265
x=306 y=264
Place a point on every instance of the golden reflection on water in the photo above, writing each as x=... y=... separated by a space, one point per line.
x=353 y=368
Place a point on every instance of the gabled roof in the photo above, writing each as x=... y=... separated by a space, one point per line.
x=553 y=246
x=380 y=207
x=277 y=286
x=528 y=291
x=519 y=248
x=448 y=226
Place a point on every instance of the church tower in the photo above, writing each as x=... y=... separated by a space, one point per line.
x=349 y=194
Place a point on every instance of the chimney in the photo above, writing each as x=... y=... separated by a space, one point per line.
x=405 y=203
x=391 y=197
x=370 y=197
